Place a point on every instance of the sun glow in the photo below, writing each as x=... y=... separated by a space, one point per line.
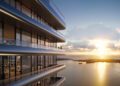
x=101 y=47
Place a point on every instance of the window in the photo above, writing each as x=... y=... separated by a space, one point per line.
x=18 y=37
x=26 y=38
x=46 y=61
x=12 y=66
x=42 y=61
x=6 y=66
x=26 y=10
x=18 y=5
x=39 y=40
x=55 y=60
x=34 y=63
x=39 y=63
x=42 y=41
x=26 y=64
x=34 y=40
x=0 y=67
x=34 y=16
x=0 y=32
x=9 y=34
x=18 y=65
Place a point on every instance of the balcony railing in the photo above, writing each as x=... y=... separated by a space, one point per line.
x=14 y=12
x=59 y=81
x=26 y=44
x=28 y=78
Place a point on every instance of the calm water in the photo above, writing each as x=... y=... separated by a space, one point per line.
x=93 y=74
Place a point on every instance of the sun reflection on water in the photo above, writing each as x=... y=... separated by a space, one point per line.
x=101 y=68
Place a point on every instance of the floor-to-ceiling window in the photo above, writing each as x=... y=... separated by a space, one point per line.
x=34 y=63
x=39 y=63
x=34 y=40
x=42 y=62
x=26 y=64
x=12 y=66
x=26 y=10
x=9 y=34
x=18 y=65
x=0 y=32
x=0 y=67
x=26 y=38
x=18 y=37
x=6 y=67
x=39 y=41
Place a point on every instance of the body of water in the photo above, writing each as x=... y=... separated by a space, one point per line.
x=92 y=74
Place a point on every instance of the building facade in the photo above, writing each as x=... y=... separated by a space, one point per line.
x=29 y=33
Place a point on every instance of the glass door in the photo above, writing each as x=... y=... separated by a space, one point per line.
x=12 y=66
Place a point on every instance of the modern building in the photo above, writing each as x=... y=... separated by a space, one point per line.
x=29 y=33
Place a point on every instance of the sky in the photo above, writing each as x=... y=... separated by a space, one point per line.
x=90 y=19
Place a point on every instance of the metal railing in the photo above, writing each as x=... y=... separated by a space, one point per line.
x=38 y=72
x=26 y=44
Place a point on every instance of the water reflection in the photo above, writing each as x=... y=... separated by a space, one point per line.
x=101 y=70
x=92 y=74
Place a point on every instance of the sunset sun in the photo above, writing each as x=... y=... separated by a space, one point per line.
x=101 y=47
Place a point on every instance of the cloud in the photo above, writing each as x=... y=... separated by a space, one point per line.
x=92 y=32
x=118 y=30
x=78 y=38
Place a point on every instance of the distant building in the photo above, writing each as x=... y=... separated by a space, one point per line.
x=28 y=43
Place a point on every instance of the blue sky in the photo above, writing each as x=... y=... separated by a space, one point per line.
x=90 y=19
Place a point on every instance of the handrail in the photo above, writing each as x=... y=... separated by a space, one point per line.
x=22 y=43
x=35 y=72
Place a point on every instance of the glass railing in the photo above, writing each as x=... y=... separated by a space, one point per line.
x=28 y=76
x=26 y=44
x=57 y=81
x=28 y=19
x=53 y=10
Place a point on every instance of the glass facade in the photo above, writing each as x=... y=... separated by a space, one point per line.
x=0 y=67
x=16 y=66
x=12 y=35
x=26 y=64
x=1 y=33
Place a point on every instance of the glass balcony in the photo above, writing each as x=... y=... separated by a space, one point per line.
x=59 y=81
x=28 y=78
x=13 y=12
x=27 y=44
x=54 y=10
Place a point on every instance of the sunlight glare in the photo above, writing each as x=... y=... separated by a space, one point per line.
x=100 y=47
x=101 y=72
